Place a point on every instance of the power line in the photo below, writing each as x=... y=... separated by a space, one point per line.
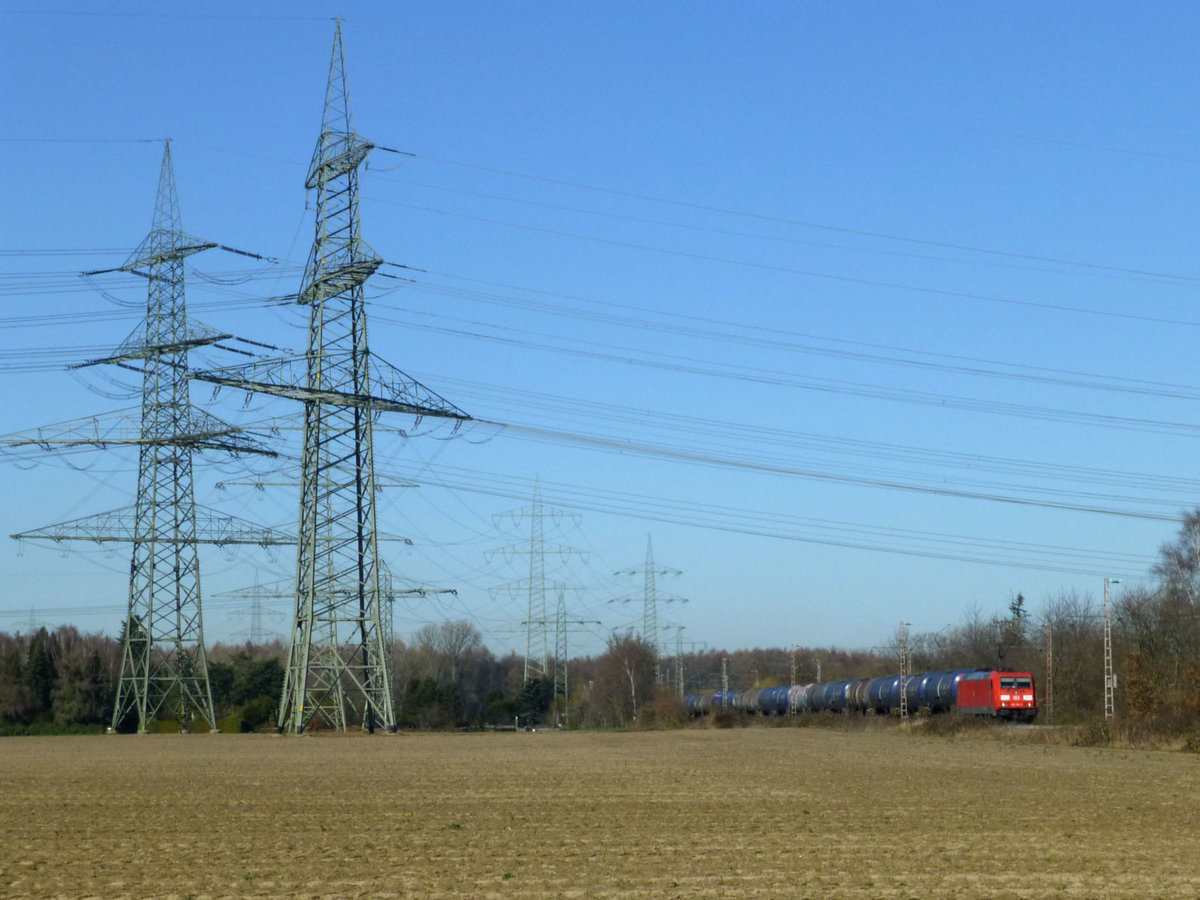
x=858 y=232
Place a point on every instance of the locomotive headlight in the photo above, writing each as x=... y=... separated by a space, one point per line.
x=1006 y=697
x=1027 y=697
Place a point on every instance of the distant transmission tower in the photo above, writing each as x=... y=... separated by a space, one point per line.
x=563 y=626
x=163 y=662
x=537 y=622
x=338 y=662
x=650 y=598
x=285 y=590
x=678 y=660
x=561 y=658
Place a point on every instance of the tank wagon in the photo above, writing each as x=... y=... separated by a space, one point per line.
x=972 y=692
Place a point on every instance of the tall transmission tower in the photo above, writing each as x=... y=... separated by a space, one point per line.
x=650 y=598
x=163 y=660
x=337 y=662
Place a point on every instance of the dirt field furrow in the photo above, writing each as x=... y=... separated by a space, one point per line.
x=706 y=813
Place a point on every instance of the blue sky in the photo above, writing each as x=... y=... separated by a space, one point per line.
x=864 y=312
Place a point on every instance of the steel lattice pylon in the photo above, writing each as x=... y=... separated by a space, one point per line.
x=650 y=598
x=337 y=567
x=338 y=660
x=163 y=658
x=537 y=621
x=163 y=661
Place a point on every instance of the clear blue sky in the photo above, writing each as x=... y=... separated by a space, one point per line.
x=816 y=291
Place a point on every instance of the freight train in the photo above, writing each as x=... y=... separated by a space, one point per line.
x=973 y=692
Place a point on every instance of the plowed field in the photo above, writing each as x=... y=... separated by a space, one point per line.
x=741 y=813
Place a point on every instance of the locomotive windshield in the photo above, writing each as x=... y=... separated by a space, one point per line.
x=1016 y=682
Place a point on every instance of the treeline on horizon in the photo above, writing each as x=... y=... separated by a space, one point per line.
x=64 y=681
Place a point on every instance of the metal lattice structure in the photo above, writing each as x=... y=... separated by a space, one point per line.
x=337 y=668
x=536 y=643
x=164 y=668
x=562 y=686
x=650 y=598
x=1110 y=684
x=537 y=623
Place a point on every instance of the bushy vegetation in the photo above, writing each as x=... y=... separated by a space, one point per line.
x=63 y=681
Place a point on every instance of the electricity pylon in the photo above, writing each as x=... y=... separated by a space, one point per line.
x=535 y=587
x=163 y=660
x=562 y=656
x=285 y=590
x=650 y=598
x=257 y=633
x=678 y=678
x=337 y=658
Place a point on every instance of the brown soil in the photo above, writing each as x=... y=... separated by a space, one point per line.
x=704 y=813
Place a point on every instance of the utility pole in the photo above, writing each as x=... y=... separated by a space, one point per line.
x=650 y=600
x=725 y=677
x=164 y=667
x=1109 y=684
x=337 y=660
x=903 y=670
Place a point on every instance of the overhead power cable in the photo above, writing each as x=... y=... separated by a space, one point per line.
x=776 y=339
x=796 y=472
x=780 y=238
x=857 y=232
x=693 y=366
x=695 y=429
x=905 y=542
x=807 y=273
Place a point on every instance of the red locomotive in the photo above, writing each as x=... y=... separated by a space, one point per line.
x=1005 y=695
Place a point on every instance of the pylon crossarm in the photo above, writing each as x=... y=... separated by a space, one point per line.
x=196 y=430
x=136 y=346
x=151 y=253
x=396 y=384
x=337 y=153
x=122 y=426
x=334 y=277
x=120 y=526
x=147 y=254
x=392 y=390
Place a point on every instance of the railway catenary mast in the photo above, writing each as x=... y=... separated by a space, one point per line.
x=337 y=661
x=1109 y=677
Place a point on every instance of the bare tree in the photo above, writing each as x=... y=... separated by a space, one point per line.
x=1178 y=568
x=624 y=679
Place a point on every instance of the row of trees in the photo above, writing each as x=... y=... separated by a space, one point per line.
x=445 y=677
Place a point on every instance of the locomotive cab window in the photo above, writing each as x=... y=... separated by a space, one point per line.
x=1015 y=684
